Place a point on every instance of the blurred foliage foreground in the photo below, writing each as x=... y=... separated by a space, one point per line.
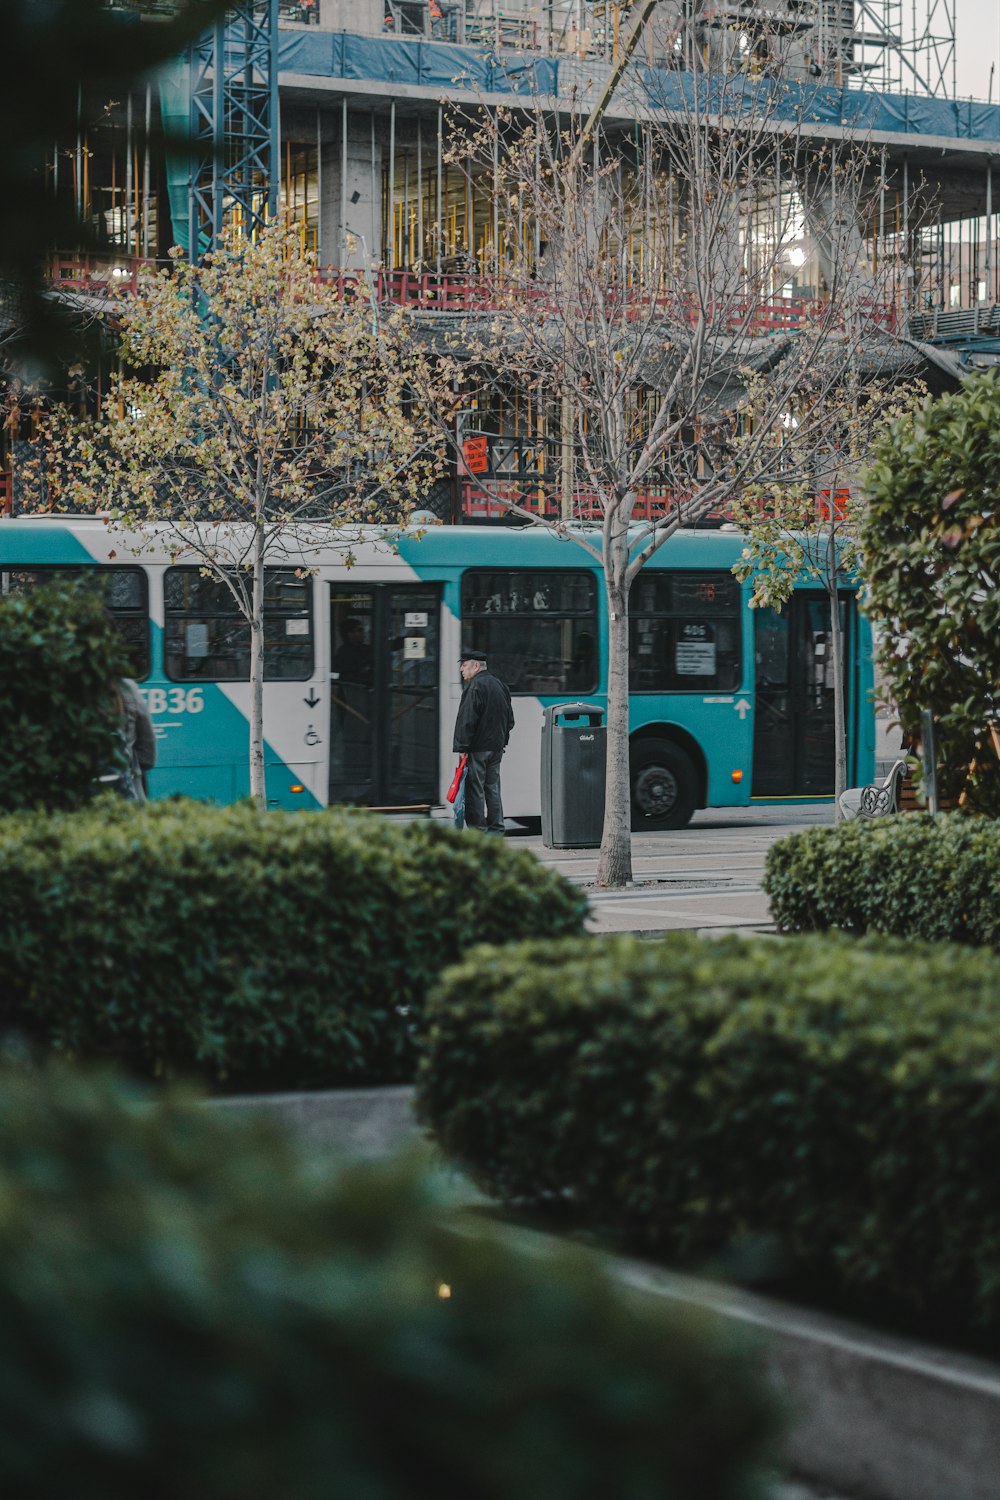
x=187 y=1308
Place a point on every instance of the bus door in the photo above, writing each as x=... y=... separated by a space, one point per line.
x=384 y=692
x=793 y=749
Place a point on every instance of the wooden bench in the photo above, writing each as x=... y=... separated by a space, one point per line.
x=908 y=801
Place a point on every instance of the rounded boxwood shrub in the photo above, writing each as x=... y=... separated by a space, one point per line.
x=252 y=950
x=915 y=876
x=59 y=658
x=188 y=1308
x=838 y=1099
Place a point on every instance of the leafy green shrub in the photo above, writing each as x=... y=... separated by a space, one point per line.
x=256 y=950
x=188 y=1309
x=59 y=658
x=916 y=876
x=839 y=1098
x=931 y=543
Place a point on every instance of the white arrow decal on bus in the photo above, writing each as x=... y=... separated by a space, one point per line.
x=742 y=707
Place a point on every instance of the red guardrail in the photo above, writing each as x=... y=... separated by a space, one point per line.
x=460 y=291
x=91 y=274
x=651 y=505
x=482 y=505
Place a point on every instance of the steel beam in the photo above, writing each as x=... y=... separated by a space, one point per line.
x=234 y=125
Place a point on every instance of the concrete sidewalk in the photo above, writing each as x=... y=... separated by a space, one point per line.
x=706 y=877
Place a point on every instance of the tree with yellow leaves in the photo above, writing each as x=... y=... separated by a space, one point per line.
x=256 y=407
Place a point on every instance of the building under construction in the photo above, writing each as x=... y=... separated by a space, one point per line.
x=340 y=115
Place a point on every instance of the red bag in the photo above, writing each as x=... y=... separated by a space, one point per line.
x=457 y=779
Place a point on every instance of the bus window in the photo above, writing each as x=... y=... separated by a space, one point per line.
x=208 y=640
x=125 y=594
x=537 y=628
x=684 y=633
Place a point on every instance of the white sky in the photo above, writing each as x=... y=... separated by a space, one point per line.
x=977 y=32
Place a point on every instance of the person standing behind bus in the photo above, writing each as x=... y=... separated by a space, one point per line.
x=139 y=740
x=482 y=729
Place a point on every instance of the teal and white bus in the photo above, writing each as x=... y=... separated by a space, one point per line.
x=729 y=705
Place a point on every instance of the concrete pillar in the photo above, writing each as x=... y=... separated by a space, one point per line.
x=351 y=199
x=831 y=212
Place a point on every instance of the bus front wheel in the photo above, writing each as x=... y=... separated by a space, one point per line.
x=664 y=786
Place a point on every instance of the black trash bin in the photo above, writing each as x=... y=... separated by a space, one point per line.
x=574 y=753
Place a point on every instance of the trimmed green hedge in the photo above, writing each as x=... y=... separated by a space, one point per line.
x=255 y=951
x=839 y=1098
x=915 y=876
x=59 y=659
x=188 y=1308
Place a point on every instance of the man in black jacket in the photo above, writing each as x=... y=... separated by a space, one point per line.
x=482 y=729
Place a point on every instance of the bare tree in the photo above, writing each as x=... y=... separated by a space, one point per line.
x=638 y=298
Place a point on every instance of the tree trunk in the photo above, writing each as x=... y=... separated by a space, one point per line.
x=258 y=790
x=837 y=663
x=566 y=453
x=615 y=864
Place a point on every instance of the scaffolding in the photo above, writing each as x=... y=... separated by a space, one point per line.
x=895 y=46
x=234 y=125
x=904 y=46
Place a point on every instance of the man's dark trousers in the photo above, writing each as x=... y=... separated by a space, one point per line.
x=482 y=784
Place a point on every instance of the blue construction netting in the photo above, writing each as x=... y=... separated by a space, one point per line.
x=338 y=54
x=174 y=83
x=441 y=65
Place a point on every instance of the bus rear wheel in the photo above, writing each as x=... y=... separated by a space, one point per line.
x=664 y=786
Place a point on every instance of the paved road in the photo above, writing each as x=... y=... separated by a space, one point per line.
x=706 y=876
